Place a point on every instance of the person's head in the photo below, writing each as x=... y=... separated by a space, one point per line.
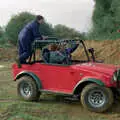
x=53 y=47
x=62 y=47
x=40 y=19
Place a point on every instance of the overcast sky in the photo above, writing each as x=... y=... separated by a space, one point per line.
x=73 y=13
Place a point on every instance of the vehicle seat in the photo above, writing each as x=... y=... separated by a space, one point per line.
x=46 y=55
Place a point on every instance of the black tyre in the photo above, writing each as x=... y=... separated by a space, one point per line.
x=27 y=89
x=96 y=98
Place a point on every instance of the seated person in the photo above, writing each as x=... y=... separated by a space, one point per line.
x=60 y=54
x=68 y=51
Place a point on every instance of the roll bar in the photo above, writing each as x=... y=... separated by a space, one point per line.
x=41 y=43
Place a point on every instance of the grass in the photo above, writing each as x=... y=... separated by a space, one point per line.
x=48 y=107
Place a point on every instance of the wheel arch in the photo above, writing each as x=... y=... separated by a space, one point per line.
x=32 y=75
x=81 y=84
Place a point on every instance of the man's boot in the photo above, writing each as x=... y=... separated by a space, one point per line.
x=18 y=62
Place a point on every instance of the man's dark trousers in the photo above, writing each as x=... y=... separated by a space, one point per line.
x=27 y=35
x=24 y=50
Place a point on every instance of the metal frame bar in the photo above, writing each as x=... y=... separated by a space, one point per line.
x=38 y=42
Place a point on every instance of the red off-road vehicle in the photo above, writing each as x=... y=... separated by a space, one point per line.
x=96 y=83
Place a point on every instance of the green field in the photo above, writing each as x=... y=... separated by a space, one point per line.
x=49 y=107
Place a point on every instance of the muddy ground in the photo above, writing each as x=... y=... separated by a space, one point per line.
x=49 y=107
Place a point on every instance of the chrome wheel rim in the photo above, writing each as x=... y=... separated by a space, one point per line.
x=25 y=89
x=96 y=98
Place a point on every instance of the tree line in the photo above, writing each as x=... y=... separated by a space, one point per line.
x=105 y=20
x=9 y=34
x=105 y=25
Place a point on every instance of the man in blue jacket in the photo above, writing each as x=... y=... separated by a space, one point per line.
x=26 y=36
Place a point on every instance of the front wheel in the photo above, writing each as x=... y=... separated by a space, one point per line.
x=27 y=89
x=96 y=98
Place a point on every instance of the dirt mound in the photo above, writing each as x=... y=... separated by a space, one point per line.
x=8 y=54
x=107 y=50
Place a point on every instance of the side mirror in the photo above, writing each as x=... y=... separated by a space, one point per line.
x=91 y=51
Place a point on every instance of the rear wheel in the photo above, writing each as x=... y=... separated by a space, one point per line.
x=27 y=89
x=96 y=98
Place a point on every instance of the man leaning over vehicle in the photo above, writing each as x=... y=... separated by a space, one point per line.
x=26 y=37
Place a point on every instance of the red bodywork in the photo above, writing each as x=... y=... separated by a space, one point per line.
x=64 y=79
